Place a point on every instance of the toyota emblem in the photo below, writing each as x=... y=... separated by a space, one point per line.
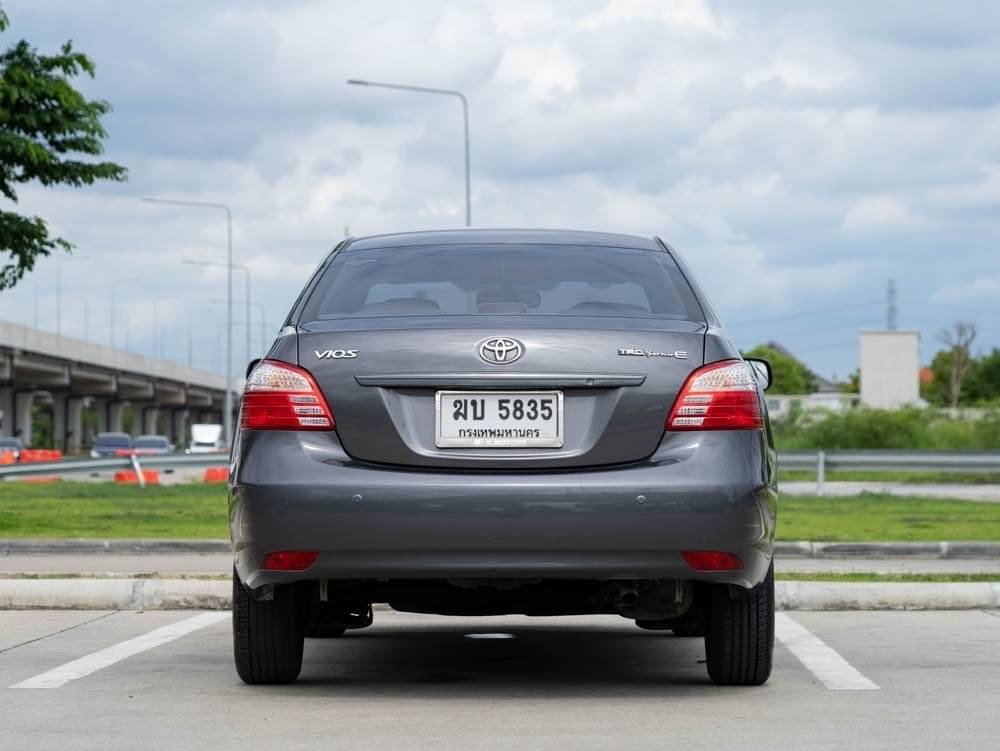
x=501 y=350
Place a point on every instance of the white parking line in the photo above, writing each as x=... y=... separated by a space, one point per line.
x=822 y=660
x=105 y=657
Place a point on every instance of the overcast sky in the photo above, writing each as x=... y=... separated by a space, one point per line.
x=798 y=154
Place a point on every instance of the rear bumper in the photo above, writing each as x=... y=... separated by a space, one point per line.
x=699 y=491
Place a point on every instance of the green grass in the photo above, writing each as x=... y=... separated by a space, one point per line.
x=103 y=509
x=880 y=517
x=854 y=576
x=80 y=509
x=808 y=475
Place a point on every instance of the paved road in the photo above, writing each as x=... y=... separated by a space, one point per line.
x=221 y=563
x=955 y=491
x=419 y=682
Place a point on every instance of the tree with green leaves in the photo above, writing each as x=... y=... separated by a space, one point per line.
x=789 y=375
x=45 y=124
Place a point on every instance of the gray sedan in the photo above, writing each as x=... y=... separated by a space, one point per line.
x=481 y=422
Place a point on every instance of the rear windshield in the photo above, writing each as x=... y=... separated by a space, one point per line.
x=519 y=280
x=113 y=441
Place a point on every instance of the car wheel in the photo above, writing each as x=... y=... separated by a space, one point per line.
x=267 y=634
x=739 y=638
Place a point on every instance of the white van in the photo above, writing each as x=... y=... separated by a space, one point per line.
x=205 y=438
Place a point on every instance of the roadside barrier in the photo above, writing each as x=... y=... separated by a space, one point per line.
x=40 y=455
x=131 y=477
x=216 y=474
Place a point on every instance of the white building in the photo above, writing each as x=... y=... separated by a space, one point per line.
x=890 y=368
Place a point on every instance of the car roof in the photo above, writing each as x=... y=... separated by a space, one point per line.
x=503 y=237
x=113 y=435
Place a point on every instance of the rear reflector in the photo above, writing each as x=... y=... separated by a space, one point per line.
x=279 y=396
x=720 y=396
x=289 y=560
x=711 y=560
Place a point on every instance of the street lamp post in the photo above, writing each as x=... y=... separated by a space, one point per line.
x=59 y=263
x=260 y=309
x=465 y=120
x=227 y=417
x=111 y=321
x=246 y=271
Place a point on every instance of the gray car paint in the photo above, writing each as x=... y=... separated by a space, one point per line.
x=620 y=499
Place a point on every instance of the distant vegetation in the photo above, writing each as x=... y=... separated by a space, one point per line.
x=789 y=376
x=906 y=428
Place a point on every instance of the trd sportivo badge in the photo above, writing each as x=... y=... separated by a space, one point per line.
x=335 y=354
x=640 y=352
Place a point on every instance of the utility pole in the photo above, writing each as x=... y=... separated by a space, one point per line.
x=891 y=312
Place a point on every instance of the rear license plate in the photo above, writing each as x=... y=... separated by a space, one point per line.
x=498 y=419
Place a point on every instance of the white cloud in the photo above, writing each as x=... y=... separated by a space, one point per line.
x=984 y=290
x=880 y=214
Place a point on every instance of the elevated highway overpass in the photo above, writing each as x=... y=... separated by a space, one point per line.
x=70 y=376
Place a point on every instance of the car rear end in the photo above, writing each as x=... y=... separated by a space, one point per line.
x=478 y=424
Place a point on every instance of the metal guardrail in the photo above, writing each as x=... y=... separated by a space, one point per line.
x=820 y=461
x=86 y=465
x=889 y=460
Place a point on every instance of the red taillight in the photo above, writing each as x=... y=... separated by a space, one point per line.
x=720 y=396
x=289 y=560
x=279 y=396
x=711 y=560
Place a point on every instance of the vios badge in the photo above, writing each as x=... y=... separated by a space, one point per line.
x=335 y=354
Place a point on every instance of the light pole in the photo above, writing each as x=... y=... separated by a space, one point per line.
x=59 y=263
x=246 y=271
x=465 y=120
x=227 y=417
x=260 y=309
x=86 y=314
x=34 y=288
x=111 y=321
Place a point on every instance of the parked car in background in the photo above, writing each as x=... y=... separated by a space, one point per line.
x=205 y=438
x=110 y=444
x=152 y=445
x=485 y=422
x=11 y=445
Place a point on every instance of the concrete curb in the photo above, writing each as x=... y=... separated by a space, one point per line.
x=844 y=550
x=114 y=594
x=794 y=595
x=172 y=594
x=85 y=546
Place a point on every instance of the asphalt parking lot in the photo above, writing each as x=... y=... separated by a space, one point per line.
x=86 y=679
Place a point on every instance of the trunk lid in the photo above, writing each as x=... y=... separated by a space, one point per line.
x=618 y=379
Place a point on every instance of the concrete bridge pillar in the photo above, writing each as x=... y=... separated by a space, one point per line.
x=101 y=412
x=7 y=408
x=178 y=423
x=59 y=425
x=74 y=424
x=23 y=402
x=115 y=411
x=150 y=416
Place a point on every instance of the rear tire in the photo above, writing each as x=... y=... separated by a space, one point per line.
x=739 y=638
x=267 y=634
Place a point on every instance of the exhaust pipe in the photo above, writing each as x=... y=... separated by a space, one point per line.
x=628 y=597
